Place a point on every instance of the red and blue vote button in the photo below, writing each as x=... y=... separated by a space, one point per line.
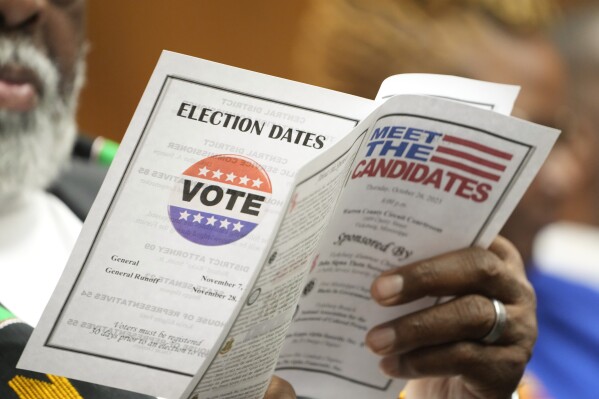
x=219 y=199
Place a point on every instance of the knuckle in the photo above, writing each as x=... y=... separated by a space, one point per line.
x=528 y=293
x=522 y=326
x=417 y=326
x=534 y=333
x=529 y=336
x=467 y=354
x=490 y=269
x=476 y=309
x=427 y=273
x=517 y=359
x=518 y=290
x=526 y=354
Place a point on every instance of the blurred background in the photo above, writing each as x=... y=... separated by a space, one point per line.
x=548 y=47
x=127 y=37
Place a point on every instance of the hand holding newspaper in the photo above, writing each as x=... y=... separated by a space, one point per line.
x=245 y=217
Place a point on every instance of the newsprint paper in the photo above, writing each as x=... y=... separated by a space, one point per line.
x=245 y=217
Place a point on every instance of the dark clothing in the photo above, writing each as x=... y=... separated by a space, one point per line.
x=78 y=185
x=24 y=384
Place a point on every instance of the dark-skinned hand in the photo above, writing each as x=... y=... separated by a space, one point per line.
x=279 y=389
x=439 y=348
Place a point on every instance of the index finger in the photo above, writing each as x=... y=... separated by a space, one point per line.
x=496 y=273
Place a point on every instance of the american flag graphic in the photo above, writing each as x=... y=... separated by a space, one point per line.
x=221 y=185
x=471 y=157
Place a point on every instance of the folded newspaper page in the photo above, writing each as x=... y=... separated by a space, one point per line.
x=490 y=96
x=244 y=219
x=430 y=177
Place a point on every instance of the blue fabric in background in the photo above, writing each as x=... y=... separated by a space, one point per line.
x=566 y=356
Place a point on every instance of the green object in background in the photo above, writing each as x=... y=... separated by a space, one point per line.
x=104 y=150
x=5 y=314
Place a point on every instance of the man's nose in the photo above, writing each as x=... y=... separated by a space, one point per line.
x=20 y=14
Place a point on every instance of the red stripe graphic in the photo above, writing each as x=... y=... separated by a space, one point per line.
x=470 y=157
x=479 y=147
x=466 y=168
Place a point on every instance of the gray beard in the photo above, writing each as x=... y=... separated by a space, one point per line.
x=35 y=145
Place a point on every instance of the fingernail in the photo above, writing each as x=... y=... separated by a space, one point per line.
x=389 y=286
x=381 y=338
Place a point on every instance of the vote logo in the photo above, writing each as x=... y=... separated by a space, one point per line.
x=219 y=199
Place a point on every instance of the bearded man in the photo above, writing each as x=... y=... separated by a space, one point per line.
x=42 y=49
